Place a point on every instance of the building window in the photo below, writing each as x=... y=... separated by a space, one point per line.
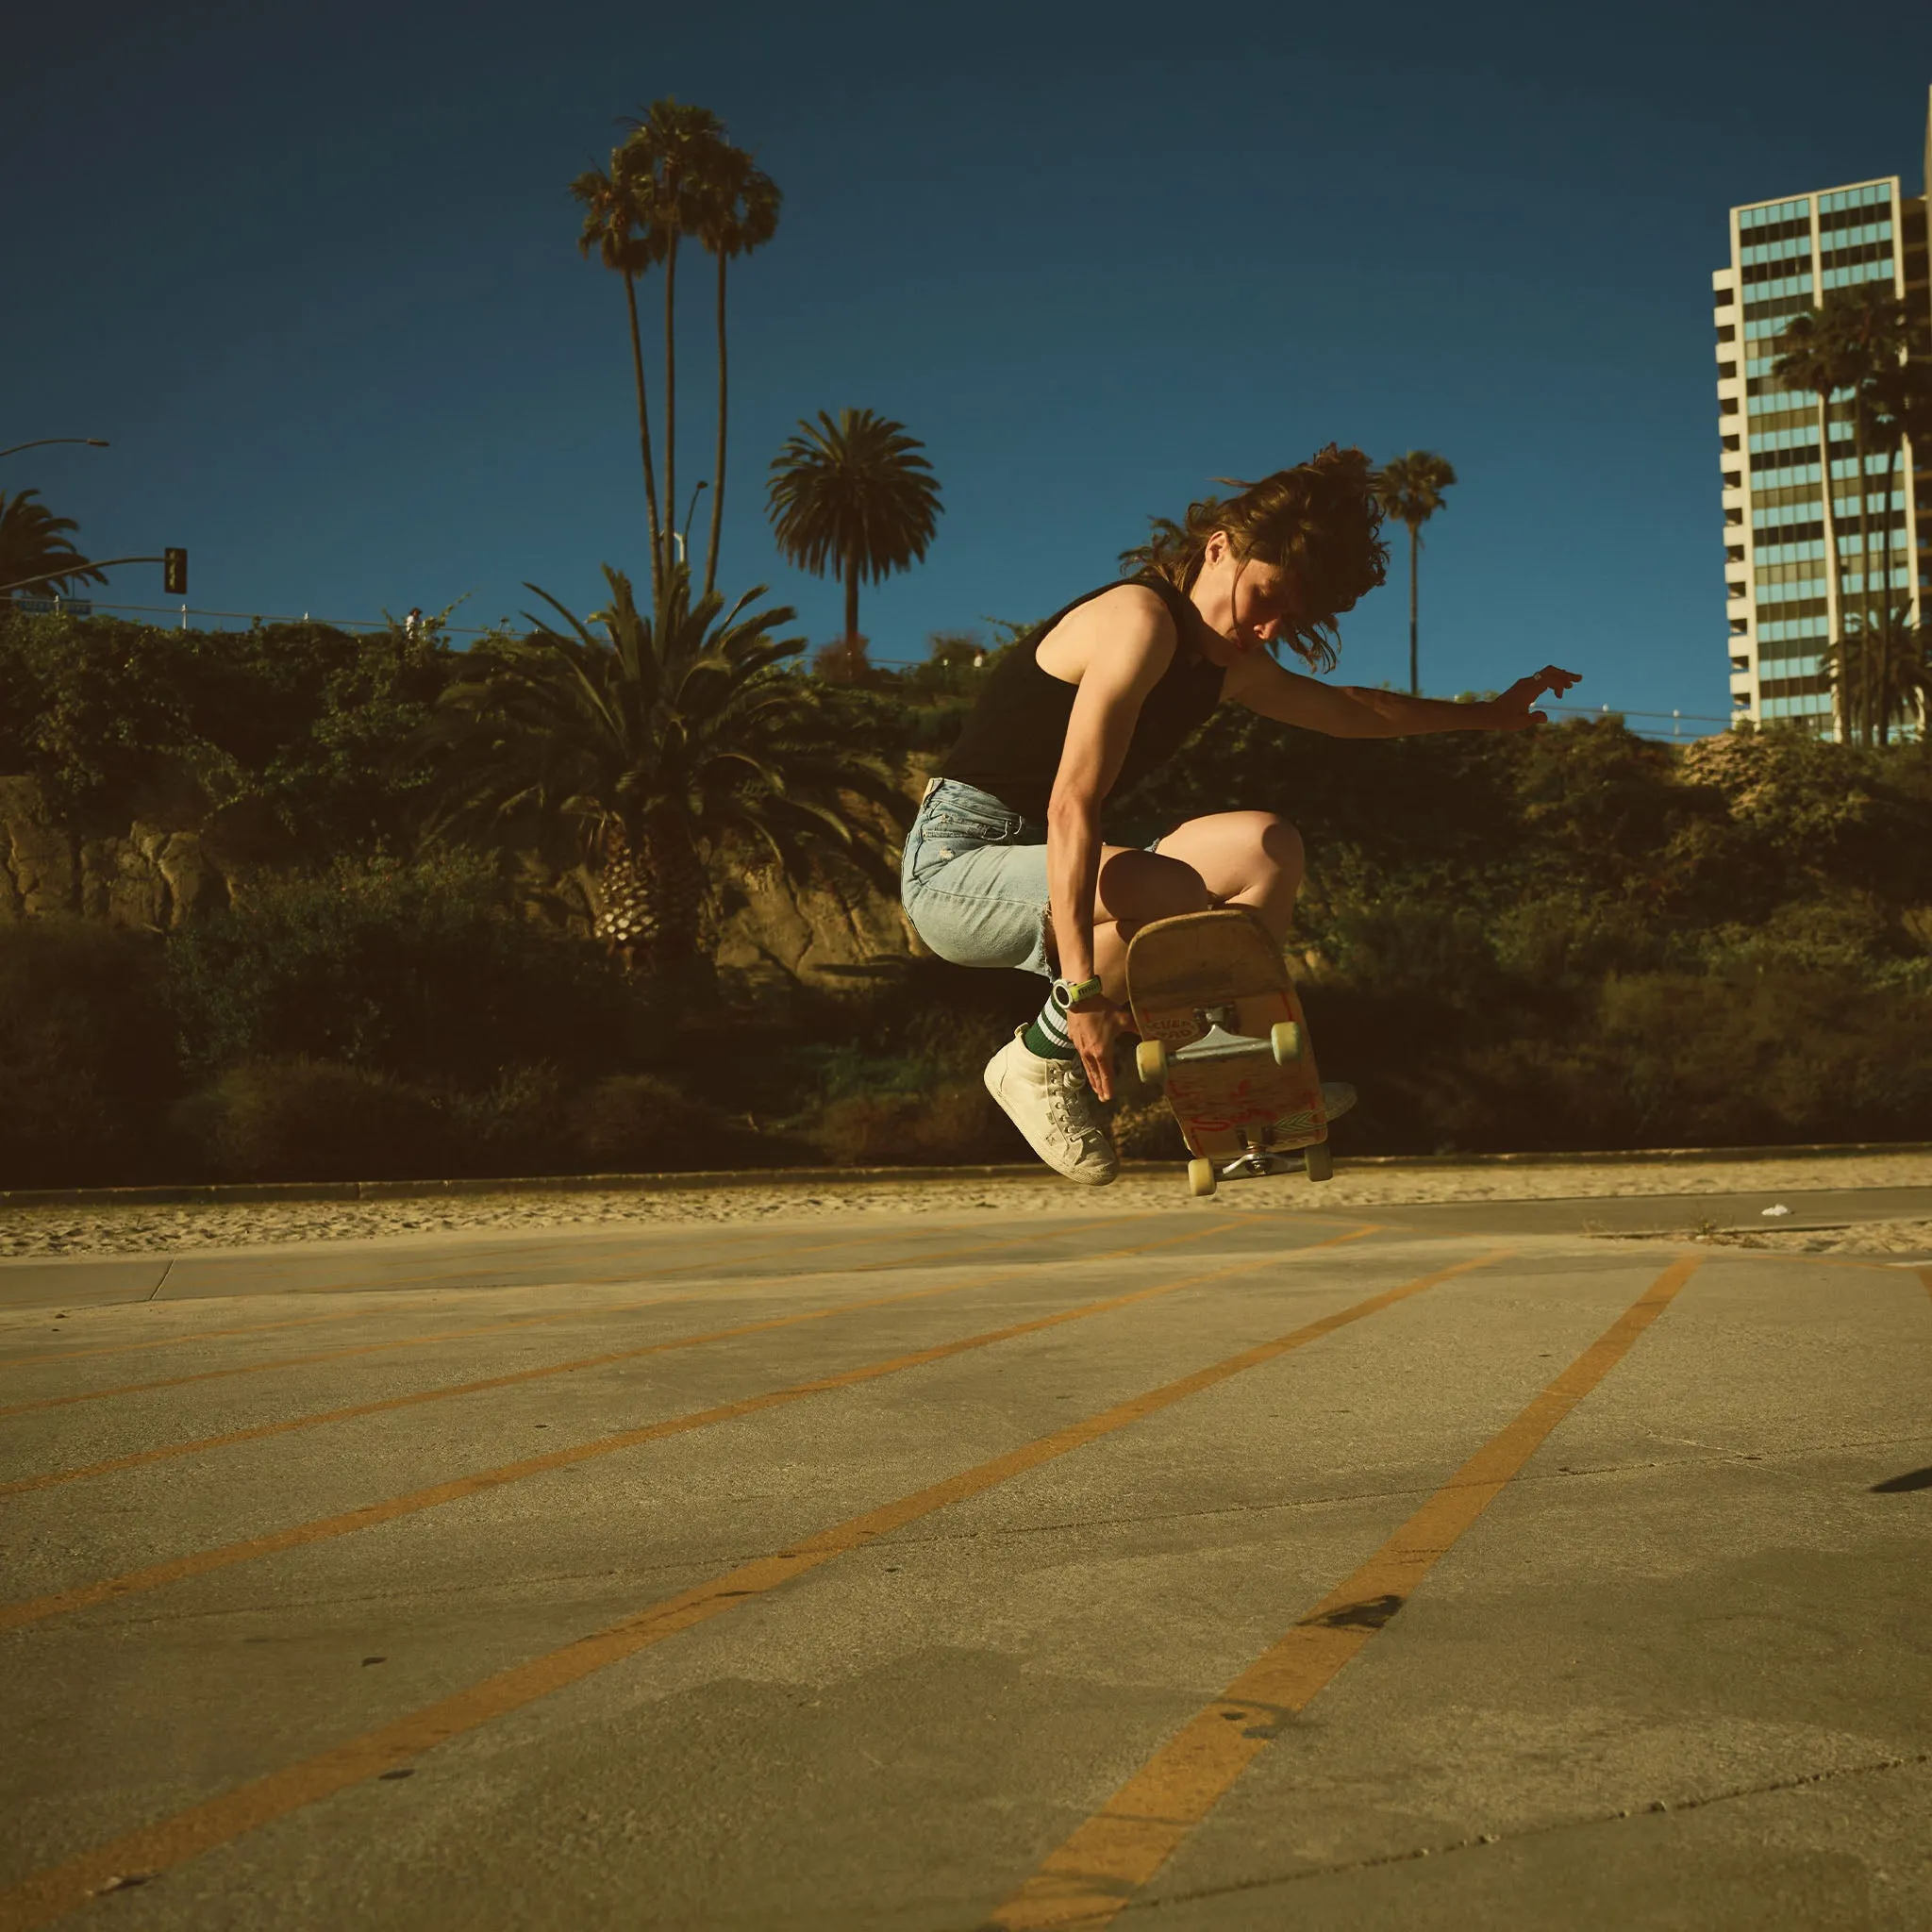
x=1775 y=214
x=1727 y=333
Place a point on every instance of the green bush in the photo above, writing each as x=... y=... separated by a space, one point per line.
x=85 y=1067
x=519 y=1125
x=300 y=720
x=414 y=969
x=296 y=1120
x=638 y=1124
x=956 y=1122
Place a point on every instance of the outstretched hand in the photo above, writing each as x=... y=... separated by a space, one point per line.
x=1514 y=711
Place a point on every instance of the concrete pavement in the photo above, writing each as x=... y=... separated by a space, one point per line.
x=1434 y=1566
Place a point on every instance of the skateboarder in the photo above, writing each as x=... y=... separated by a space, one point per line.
x=1005 y=864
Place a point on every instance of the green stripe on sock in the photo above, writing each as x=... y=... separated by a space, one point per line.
x=1047 y=1037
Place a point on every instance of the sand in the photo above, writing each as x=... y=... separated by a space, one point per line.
x=145 y=1228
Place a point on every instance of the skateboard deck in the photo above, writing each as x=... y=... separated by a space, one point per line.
x=1224 y=1037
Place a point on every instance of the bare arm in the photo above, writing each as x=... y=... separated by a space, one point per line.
x=1123 y=665
x=1356 y=712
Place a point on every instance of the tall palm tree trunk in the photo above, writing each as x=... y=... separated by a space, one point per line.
x=671 y=392
x=651 y=898
x=717 y=473
x=1834 y=566
x=1415 y=552
x=852 y=598
x=1867 y=663
x=1888 y=697
x=637 y=364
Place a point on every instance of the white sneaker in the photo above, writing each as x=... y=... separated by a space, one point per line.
x=1051 y=1104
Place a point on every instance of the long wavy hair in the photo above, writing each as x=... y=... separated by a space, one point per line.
x=1320 y=520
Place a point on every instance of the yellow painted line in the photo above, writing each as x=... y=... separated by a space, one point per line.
x=198 y=1563
x=259 y=1432
x=591 y=1312
x=1095 y=1874
x=172 y=1841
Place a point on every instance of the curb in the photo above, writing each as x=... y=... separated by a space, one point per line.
x=241 y=1193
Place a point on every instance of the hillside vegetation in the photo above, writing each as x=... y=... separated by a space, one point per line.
x=1568 y=938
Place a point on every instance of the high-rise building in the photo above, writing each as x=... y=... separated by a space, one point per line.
x=1780 y=596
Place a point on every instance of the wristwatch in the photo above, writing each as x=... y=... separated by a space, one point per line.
x=1067 y=993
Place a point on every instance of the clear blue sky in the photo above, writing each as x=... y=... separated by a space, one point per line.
x=312 y=269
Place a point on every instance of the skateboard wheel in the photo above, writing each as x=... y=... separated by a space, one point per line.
x=1150 y=1062
x=1201 y=1179
x=1320 y=1161
x=1285 y=1037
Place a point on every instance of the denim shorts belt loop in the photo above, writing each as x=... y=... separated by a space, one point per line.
x=974 y=880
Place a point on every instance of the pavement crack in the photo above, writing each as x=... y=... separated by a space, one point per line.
x=1485 y=1841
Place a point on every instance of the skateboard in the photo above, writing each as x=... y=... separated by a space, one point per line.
x=1224 y=1041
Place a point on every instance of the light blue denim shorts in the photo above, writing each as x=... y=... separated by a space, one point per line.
x=974 y=880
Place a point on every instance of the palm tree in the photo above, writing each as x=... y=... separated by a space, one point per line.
x=738 y=212
x=853 y=493
x=657 y=745
x=1812 y=356
x=34 y=552
x=1899 y=673
x=1874 y=326
x=669 y=157
x=1899 y=398
x=617 y=224
x=1410 y=488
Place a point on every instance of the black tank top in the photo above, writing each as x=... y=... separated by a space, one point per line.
x=1013 y=739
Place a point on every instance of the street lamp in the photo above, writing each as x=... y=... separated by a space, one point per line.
x=91 y=442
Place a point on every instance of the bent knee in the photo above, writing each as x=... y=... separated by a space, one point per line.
x=1282 y=843
x=1258 y=841
x=1139 y=886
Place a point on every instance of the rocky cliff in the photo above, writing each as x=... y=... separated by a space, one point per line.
x=152 y=878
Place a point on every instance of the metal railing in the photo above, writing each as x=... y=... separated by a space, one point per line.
x=86 y=606
x=1652 y=726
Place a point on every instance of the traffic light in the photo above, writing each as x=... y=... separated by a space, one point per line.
x=175 y=573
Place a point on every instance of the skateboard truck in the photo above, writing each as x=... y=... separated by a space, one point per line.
x=1258 y=1161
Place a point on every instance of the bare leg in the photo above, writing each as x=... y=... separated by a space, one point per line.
x=1249 y=859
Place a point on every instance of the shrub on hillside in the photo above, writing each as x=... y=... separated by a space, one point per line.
x=415 y=968
x=86 y=1070
x=1755 y=1055
x=636 y=1124
x=955 y=1123
x=300 y=720
x=298 y=1120
x=518 y=1124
